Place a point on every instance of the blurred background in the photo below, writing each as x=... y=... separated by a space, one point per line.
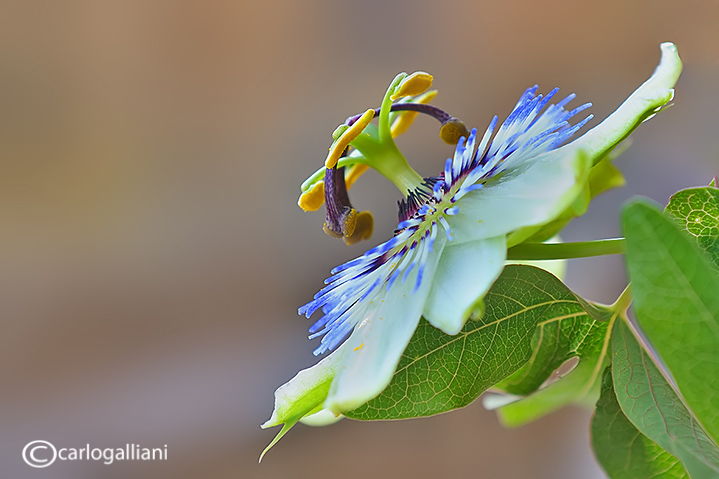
x=152 y=255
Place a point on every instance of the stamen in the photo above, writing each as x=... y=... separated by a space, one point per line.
x=363 y=228
x=340 y=144
x=430 y=204
x=400 y=125
x=330 y=232
x=404 y=120
x=309 y=202
x=312 y=199
x=414 y=84
x=452 y=130
x=419 y=107
x=341 y=218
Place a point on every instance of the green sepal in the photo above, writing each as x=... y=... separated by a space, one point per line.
x=285 y=429
x=604 y=176
x=303 y=395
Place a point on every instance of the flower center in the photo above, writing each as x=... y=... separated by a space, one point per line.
x=428 y=205
x=358 y=144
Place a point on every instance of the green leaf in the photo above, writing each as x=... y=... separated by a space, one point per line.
x=677 y=305
x=624 y=452
x=650 y=403
x=697 y=210
x=580 y=386
x=560 y=338
x=438 y=373
x=564 y=332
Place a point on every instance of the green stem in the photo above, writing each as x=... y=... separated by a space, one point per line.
x=383 y=123
x=621 y=305
x=386 y=158
x=582 y=249
x=320 y=173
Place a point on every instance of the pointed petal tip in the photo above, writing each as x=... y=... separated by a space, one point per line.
x=288 y=425
x=670 y=60
x=668 y=47
x=643 y=103
x=271 y=422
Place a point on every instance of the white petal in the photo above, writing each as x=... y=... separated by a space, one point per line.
x=465 y=273
x=306 y=391
x=656 y=92
x=376 y=345
x=492 y=401
x=534 y=195
x=323 y=417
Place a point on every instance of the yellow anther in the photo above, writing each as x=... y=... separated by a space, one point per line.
x=405 y=118
x=312 y=199
x=354 y=173
x=341 y=143
x=329 y=232
x=348 y=225
x=452 y=131
x=363 y=228
x=412 y=85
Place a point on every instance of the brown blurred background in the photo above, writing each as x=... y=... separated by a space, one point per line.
x=152 y=255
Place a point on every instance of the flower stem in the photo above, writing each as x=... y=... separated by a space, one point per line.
x=582 y=249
